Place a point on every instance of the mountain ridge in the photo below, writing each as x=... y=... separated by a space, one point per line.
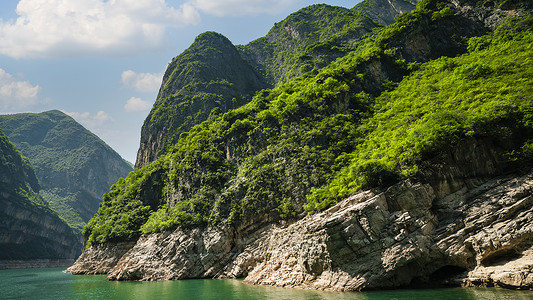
x=310 y=38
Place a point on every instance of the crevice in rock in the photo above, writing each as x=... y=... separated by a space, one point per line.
x=500 y=257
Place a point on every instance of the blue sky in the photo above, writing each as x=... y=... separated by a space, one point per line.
x=101 y=61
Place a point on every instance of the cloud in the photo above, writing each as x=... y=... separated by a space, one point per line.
x=60 y=28
x=142 y=82
x=93 y=122
x=137 y=104
x=17 y=94
x=242 y=7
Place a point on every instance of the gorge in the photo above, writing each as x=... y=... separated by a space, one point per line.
x=337 y=153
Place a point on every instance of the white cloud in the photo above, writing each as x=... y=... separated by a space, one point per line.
x=17 y=94
x=59 y=28
x=137 y=104
x=93 y=122
x=142 y=82
x=242 y=7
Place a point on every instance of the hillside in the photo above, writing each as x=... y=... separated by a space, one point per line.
x=213 y=73
x=29 y=229
x=74 y=167
x=383 y=169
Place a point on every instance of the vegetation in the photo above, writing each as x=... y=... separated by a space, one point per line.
x=66 y=157
x=18 y=177
x=306 y=144
x=212 y=73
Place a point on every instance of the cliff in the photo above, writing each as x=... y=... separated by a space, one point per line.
x=468 y=227
x=393 y=166
x=29 y=229
x=74 y=167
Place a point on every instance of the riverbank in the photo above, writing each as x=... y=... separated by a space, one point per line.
x=35 y=263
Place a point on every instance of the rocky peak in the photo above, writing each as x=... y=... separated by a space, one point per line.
x=210 y=73
x=384 y=11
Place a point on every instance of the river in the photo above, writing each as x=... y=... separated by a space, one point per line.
x=52 y=283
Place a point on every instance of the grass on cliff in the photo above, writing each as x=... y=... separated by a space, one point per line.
x=305 y=145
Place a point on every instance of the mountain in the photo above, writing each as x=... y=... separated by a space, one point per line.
x=29 y=229
x=406 y=162
x=74 y=167
x=212 y=72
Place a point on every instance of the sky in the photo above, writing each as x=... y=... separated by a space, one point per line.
x=102 y=61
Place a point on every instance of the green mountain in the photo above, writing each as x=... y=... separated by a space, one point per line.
x=74 y=167
x=367 y=120
x=29 y=229
x=212 y=73
x=424 y=115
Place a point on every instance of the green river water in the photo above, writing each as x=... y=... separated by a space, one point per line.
x=52 y=283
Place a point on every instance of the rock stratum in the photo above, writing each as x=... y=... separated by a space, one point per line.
x=466 y=227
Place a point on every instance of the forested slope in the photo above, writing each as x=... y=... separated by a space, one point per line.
x=29 y=229
x=74 y=167
x=386 y=111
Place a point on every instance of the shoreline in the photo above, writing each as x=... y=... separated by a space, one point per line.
x=35 y=263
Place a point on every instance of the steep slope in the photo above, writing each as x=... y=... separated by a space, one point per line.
x=384 y=11
x=75 y=168
x=438 y=138
x=209 y=74
x=213 y=73
x=29 y=229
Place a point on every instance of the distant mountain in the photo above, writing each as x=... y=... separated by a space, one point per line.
x=29 y=229
x=74 y=166
x=213 y=73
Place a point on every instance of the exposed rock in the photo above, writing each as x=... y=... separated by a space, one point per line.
x=384 y=11
x=100 y=259
x=404 y=235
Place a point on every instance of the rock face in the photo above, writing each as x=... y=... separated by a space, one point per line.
x=29 y=229
x=384 y=11
x=100 y=259
x=462 y=226
x=402 y=236
x=75 y=168
x=407 y=236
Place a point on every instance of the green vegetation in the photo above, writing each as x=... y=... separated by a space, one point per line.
x=212 y=73
x=66 y=158
x=17 y=177
x=306 y=144
x=309 y=39
x=24 y=213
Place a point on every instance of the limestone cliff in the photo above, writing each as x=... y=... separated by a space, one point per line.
x=463 y=227
x=29 y=229
x=209 y=74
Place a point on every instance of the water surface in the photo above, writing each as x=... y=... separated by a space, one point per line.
x=52 y=283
